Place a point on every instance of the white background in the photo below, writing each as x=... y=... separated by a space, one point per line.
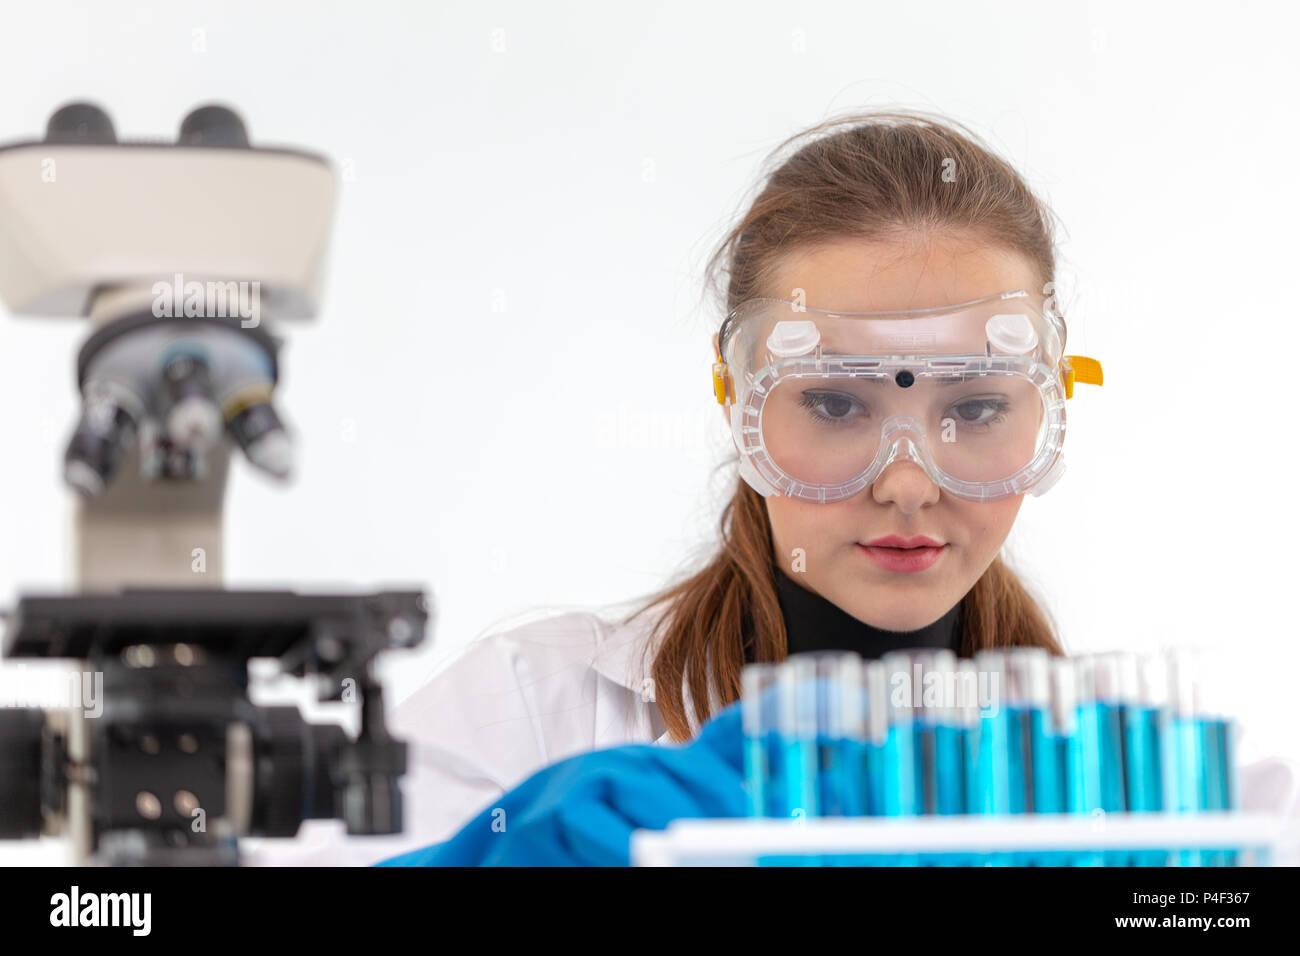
x=514 y=334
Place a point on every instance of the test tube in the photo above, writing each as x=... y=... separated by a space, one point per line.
x=1101 y=727
x=966 y=717
x=901 y=796
x=875 y=681
x=1067 y=734
x=797 y=730
x=1187 y=742
x=992 y=765
x=939 y=718
x=1150 y=768
x=1121 y=672
x=1219 y=785
x=935 y=747
x=937 y=742
x=841 y=732
x=759 y=726
x=779 y=720
x=1027 y=698
x=1027 y=701
x=841 y=741
x=993 y=760
x=1064 y=793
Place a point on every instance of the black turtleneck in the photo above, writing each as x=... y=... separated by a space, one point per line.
x=813 y=623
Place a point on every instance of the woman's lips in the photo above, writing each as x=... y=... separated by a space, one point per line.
x=903 y=560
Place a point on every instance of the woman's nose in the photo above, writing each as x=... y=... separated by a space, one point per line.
x=904 y=484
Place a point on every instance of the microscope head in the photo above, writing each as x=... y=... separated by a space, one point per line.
x=175 y=251
x=83 y=214
x=181 y=254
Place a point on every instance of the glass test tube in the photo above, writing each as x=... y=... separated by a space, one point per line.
x=1029 y=763
x=901 y=796
x=875 y=682
x=936 y=741
x=780 y=723
x=1187 y=742
x=992 y=765
x=797 y=731
x=1219 y=787
x=1101 y=729
x=966 y=717
x=759 y=726
x=1067 y=734
x=992 y=762
x=841 y=732
x=1149 y=764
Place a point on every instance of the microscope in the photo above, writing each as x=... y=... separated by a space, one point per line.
x=182 y=255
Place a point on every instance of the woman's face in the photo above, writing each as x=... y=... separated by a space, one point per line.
x=860 y=275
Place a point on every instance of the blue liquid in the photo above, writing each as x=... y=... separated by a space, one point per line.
x=939 y=781
x=1113 y=793
x=1144 y=728
x=949 y=777
x=1135 y=759
x=799 y=769
x=1227 y=743
x=1098 y=765
x=1188 y=746
x=951 y=783
x=1216 y=789
x=1038 y=783
x=874 y=755
x=900 y=796
x=842 y=788
x=781 y=780
x=1025 y=729
x=969 y=738
x=993 y=774
x=867 y=796
x=757 y=776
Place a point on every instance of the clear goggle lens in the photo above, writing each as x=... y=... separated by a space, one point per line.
x=826 y=430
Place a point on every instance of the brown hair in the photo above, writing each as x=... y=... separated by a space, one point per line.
x=874 y=175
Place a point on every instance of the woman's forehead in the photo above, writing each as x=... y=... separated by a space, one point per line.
x=860 y=275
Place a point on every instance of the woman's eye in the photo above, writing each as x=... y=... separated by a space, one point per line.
x=830 y=406
x=980 y=411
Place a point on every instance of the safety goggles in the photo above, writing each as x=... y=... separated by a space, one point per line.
x=822 y=402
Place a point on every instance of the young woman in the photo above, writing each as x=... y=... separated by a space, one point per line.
x=872 y=502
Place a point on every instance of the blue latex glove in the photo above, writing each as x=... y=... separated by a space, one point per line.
x=581 y=811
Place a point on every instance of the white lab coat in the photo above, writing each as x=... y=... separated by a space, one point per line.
x=520 y=699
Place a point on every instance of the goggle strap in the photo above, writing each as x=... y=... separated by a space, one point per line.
x=1079 y=368
x=722 y=386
